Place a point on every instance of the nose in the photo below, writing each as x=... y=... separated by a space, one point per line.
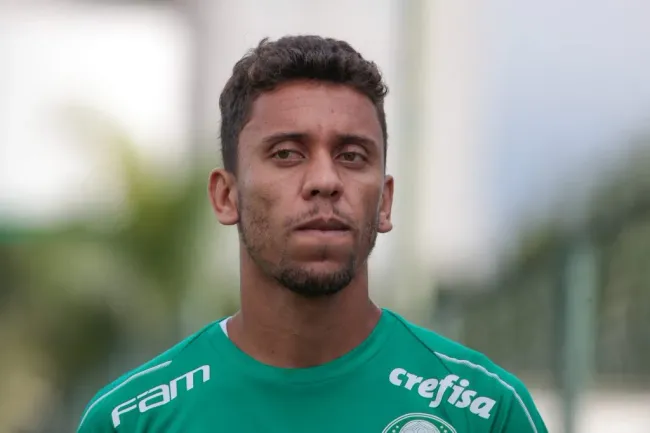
x=322 y=178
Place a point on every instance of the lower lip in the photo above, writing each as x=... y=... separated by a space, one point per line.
x=324 y=233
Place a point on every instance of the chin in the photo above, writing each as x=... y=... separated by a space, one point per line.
x=317 y=279
x=324 y=267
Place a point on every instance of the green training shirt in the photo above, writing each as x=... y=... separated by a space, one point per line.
x=401 y=379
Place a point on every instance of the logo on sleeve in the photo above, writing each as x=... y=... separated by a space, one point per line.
x=162 y=394
x=419 y=423
x=451 y=389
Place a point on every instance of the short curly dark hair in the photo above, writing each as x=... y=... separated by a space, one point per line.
x=293 y=58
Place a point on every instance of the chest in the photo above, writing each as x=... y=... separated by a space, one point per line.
x=350 y=406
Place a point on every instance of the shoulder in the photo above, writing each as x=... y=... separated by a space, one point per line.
x=102 y=413
x=457 y=357
x=455 y=366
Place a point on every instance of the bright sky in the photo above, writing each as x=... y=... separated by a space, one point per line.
x=132 y=66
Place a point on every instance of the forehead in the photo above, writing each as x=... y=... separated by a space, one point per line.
x=313 y=107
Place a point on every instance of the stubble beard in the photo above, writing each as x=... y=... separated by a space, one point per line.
x=255 y=234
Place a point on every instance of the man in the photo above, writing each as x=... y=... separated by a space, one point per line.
x=304 y=151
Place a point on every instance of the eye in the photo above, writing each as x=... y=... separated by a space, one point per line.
x=352 y=157
x=286 y=155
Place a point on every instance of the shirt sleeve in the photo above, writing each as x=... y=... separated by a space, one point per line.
x=522 y=415
x=95 y=419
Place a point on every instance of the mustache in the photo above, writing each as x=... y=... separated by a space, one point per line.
x=316 y=211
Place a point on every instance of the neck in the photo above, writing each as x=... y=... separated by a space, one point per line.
x=280 y=328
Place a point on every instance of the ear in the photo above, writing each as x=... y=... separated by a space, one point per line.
x=386 y=205
x=222 y=188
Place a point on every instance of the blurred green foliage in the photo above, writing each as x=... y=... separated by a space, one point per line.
x=518 y=318
x=80 y=297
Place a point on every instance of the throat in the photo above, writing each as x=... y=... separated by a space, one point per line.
x=302 y=340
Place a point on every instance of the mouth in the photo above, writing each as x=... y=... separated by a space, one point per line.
x=324 y=225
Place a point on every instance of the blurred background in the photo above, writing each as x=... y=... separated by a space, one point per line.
x=520 y=143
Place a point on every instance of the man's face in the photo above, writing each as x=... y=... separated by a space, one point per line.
x=311 y=189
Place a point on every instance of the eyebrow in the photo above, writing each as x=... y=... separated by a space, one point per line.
x=360 y=140
x=340 y=139
x=284 y=136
